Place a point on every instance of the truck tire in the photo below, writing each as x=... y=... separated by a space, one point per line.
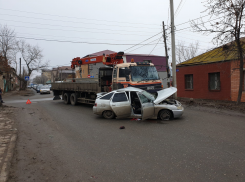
x=67 y=98
x=73 y=99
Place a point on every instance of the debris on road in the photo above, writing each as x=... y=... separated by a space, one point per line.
x=122 y=127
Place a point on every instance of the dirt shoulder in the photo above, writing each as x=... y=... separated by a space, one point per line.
x=8 y=135
x=217 y=104
x=28 y=92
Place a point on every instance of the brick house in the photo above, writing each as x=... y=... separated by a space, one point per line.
x=212 y=75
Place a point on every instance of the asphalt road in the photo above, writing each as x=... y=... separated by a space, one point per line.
x=58 y=142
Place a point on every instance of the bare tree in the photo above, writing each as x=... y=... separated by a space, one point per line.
x=227 y=27
x=185 y=53
x=32 y=56
x=7 y=51
x=42 y=79
x=7 y=43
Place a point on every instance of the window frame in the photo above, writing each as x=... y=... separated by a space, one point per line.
x=209 y=81
x=101 y=98
x=120 y=93
x=189 y=82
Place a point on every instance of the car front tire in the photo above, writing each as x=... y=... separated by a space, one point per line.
x=165 y=115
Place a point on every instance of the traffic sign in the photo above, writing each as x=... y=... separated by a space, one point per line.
x=26 y=78
x=88 y=76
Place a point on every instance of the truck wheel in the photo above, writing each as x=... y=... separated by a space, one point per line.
x=73 y=99
x=108 y=114
x=67 y=98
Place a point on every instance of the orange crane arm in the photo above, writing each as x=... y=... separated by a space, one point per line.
x=111 y=59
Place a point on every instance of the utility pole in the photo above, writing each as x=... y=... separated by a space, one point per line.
x=166 y=50
x=20 y=73
x=173 y=46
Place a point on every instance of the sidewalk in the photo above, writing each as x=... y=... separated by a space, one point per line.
x=8 y=135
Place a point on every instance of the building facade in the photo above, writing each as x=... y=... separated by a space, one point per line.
x=210 y=76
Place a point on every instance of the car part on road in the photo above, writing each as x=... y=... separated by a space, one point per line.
x=108 y=114
x=73 y=99
x=67 y=98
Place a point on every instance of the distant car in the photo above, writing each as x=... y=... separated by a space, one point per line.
x=34 y=87
x=133 y=102
x=38 y=89
x=45 y=89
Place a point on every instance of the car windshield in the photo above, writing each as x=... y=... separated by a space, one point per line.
x=148 y=95
x=143 y=73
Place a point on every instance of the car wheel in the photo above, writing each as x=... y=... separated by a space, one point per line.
x=165 y=115
x=108 y=114
x=67 y=98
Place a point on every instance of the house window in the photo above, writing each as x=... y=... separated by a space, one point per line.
x=189 y=81
x=214 y=81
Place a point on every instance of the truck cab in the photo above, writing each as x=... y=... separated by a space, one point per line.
x=141 y=75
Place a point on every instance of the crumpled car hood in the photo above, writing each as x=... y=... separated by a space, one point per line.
x=165 y=93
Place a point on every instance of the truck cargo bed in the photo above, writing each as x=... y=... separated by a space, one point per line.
x=87 y=85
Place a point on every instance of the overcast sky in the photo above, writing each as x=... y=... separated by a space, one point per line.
x=67 y=29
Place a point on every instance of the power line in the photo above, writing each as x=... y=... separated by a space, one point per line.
x=145 y=45
x=197 y=19
x=198 y=24
x=70 y=26
x=49 y=40
x=178 y=7
x=74 y=21
x=155 y=46
x=73 y=17
x=75 y=30
x=143 y=41
x=70 y=37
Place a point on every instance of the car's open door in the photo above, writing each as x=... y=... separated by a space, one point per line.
x=147 y=107
x=121 y=105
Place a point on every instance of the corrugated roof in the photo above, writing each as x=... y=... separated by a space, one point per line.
x=215 y=55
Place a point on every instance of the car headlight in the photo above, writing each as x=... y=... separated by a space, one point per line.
x=179 y=107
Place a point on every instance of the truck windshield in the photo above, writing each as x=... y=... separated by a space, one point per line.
x=143 y=73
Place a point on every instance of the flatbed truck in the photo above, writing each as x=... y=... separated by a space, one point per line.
x=113 y=75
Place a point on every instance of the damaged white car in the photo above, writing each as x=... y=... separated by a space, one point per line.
x=133 y=102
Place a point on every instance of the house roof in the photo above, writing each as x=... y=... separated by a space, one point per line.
x=128 y=54
x=215 y=55
x=64 y=68
x=106 y=52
